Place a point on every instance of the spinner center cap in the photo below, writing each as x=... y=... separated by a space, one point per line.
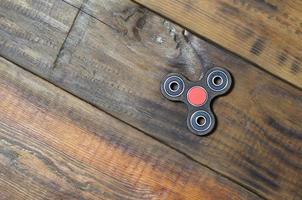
x=197 y=96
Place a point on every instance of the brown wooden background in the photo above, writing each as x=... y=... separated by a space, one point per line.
x=82 y=116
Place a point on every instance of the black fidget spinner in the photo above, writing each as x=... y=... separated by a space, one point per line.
x=198 y=96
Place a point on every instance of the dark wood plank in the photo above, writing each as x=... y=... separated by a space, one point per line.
x=33 y=31
x=55 y=146
x=266 y=32
x=117 y=65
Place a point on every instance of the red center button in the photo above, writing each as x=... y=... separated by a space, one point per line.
x=197 y=96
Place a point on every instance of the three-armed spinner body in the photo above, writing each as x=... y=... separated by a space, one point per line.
x=198 y=96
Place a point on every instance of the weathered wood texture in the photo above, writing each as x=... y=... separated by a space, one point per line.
x=266 y=32
x=119 y=68
x=75 y=3
x=54 y=146
x=116 y=61
x=33 y=31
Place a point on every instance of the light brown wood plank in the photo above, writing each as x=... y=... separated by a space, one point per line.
x=33 y=31
x=55 y=146
x=266 y=32
x=117 y=65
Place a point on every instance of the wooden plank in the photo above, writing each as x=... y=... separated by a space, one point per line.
x=117 y=61
x=267 y=33
x=55 y=146
x=33 y=31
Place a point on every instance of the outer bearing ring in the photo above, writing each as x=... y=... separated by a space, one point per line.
x=201 y=127
x=180 y=86
x=221 y=74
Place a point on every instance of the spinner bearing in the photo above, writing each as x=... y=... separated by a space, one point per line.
x=198 y=96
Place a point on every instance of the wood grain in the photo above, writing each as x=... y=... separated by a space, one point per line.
x=115 y=58
x=55 y=146
x=117 y=64
x=33 y=31
x=266 y=32
x=75 y=3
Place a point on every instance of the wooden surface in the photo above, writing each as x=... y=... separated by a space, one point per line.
x=114 y=54
x=50 y=149
x=38 y=29
x=266 y=32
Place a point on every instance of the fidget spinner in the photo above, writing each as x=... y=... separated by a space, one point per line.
x=198 y=96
